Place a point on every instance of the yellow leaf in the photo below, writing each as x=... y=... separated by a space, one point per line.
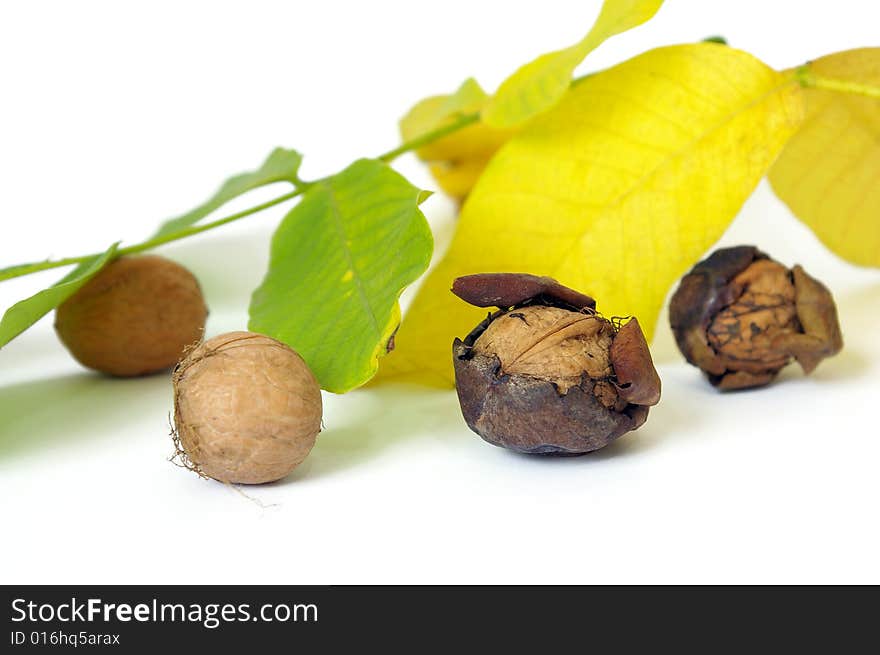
x=457 y=160
x=541 y=83
x=436 y=111
x=829 y=173
x=458 y=177
x=615 y=192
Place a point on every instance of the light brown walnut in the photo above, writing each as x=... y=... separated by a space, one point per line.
x=247 y=409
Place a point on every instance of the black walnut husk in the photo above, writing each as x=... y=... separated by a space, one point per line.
x=545 y=373
x=741 y=317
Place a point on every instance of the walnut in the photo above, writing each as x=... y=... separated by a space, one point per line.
x=546 y=373
x=741 y=317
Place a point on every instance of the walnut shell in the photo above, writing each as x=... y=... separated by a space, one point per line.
x=741 y=317
x=135 y=317
x=505 y=290
x=247 y=409
x=546 y=374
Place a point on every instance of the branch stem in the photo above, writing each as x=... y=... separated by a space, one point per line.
x=429 y=137
x=27 y=269
x=387 y=157
x=810 y=80
x=803 y=75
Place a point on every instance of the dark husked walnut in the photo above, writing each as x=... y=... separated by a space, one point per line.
x=741 y=317
x=546 y=373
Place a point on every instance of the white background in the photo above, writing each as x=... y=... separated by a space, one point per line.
x=114 y=116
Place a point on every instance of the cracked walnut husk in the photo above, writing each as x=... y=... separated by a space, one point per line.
x=741 y=317
x=546 y=373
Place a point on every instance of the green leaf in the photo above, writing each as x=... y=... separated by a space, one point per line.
x=280 y=166
x=541 y=83
x=25 y=313
x=339 y=262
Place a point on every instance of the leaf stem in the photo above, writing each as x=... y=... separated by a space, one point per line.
x=387 y=157
x=803 y=75
x=27 y=269
x=198 y=229
x=36 y=267
x=810 y=80
x=301 y=187
x=460 y=122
